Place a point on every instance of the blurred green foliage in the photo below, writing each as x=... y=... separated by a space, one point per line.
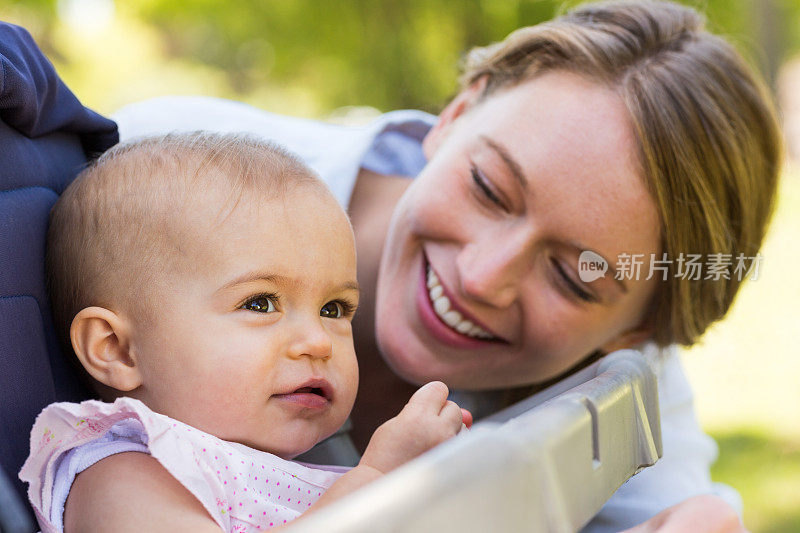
x=765 y=470
x=387 y=54
x=390 y=54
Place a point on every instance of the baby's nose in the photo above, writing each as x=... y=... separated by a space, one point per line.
x=311 y=340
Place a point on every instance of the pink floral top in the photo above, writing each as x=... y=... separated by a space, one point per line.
x=243 y=489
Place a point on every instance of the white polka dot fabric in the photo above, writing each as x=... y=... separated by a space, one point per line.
x=243 y=489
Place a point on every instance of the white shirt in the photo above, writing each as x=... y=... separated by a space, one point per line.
x=391 y=144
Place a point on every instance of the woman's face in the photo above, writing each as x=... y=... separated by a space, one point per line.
x=479 y=283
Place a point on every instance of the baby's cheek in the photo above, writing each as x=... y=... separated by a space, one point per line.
x=347 y=384
x=350 y=378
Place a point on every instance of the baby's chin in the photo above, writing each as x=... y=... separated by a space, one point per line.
x=291 y=445
x=284 y=450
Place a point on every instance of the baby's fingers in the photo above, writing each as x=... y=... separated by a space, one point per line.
x=430 y=398
x=451 y=415
x=466 y=418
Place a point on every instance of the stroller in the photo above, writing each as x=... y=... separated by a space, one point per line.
x=560 y=449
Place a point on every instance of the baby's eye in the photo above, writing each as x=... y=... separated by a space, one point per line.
x=332 y=310
x=259 y=304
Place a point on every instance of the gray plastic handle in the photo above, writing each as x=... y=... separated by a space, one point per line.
x=548 y=463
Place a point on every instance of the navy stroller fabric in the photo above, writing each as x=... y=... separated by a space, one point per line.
x=46 y=138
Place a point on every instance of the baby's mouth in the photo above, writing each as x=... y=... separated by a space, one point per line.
x=310 y=390
x=313 y=393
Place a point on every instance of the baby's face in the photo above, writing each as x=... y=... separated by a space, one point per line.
x=251 y=339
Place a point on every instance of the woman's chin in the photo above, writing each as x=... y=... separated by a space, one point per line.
x=407 y=359
x=414 y=362
x=411 y=360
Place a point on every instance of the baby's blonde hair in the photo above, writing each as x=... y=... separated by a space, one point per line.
x=120 y=221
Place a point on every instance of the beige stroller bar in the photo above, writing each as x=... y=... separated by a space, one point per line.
x=548 y=463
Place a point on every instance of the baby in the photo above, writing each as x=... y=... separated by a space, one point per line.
x=206 y=284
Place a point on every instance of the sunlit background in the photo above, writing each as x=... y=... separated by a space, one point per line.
x=348 y=60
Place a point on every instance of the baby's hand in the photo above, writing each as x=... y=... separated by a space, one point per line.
x=427 y=419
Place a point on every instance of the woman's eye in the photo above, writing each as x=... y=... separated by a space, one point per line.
x=573 y=286
x=481 y=183
x=332 y=310
x=260 y=304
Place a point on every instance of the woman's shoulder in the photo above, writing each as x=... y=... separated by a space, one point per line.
x=190 y=113
x=165 y=114
x=388 y=144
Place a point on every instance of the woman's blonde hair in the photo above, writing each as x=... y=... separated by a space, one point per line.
x=708 y=139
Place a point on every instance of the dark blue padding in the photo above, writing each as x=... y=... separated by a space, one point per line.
x=46 y=138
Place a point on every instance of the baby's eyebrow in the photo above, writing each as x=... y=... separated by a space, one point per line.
x=277 y=279
x=351 y=286
x=258 y=276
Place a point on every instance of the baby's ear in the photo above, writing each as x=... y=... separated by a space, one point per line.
x=101 y=340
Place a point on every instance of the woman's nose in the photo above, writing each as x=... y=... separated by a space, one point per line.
x=491 y=271
x=311 y=339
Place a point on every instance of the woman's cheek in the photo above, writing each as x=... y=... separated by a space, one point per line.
x=555 y=333
x=429 y=216
x=437 y=200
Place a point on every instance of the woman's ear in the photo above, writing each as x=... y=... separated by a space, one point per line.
x=461 y=103
x=101 y=340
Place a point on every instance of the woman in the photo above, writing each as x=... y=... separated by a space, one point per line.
x=620 y=128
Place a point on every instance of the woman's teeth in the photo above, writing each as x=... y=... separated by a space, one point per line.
x=441 y=305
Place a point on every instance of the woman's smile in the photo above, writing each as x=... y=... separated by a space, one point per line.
x=476 y=249
x=444 y=318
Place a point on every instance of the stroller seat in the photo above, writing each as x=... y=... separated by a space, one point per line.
x=46 y=138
